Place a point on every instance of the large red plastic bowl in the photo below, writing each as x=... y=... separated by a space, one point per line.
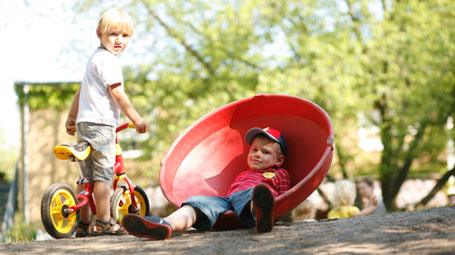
x=208 y=155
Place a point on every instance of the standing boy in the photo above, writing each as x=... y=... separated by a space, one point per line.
x=95 y=112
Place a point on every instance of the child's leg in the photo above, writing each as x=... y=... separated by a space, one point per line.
x=102 y=200
x=182 y=219
x=104 y=223
x=200 y=212
x=100 y=167
x=241 y=201
x=158 y=228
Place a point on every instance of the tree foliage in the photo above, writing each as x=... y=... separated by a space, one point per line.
x=392 y=61
x=409 y=81
x=46 y=95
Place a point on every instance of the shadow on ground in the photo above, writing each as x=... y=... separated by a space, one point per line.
x=421 y=232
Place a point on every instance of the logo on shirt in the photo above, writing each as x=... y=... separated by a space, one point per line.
x=269 y=175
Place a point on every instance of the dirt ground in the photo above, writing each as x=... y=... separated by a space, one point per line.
x=421 y=232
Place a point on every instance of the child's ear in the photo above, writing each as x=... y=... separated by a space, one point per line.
x=98 y=33
x=280 y=160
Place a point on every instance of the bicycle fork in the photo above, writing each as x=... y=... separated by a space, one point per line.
x=122 y=176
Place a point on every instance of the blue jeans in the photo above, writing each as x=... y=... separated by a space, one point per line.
x=212 y=207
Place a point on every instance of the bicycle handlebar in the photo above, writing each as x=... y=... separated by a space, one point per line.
x=119 y=128
x=124 y=126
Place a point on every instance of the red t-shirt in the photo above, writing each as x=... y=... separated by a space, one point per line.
x=277 y=179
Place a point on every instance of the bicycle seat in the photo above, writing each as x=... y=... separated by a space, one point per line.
x=79 y=151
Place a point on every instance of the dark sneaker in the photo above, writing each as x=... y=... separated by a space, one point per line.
x=147 y=226
x=263 y=206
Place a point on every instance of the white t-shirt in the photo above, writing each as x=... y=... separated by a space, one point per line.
x=96 y=104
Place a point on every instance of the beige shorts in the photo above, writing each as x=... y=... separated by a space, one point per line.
x=99 y=165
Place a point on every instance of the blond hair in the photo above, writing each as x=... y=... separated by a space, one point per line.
x=115 y=19
x=344 y=193
x=304 y=211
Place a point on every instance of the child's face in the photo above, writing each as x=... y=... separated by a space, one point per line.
x=364 y=189
x=263 y=154
x=115 y=41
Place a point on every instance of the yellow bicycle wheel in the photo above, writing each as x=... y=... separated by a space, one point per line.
x=57 y=222
x=121 y=202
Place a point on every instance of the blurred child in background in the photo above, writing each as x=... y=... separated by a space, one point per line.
x=343 y=200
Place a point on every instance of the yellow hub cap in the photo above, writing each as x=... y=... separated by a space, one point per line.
x=125 y=204
x=62 y=198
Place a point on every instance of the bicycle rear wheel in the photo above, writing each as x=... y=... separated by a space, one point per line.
x=57 y=222
x=121 y=202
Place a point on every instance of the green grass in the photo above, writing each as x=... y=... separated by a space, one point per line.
x=20 y=232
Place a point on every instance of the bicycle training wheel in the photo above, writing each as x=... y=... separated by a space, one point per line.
x=121 y=202
x=57 y=222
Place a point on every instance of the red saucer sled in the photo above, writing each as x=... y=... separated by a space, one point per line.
x=208 y=155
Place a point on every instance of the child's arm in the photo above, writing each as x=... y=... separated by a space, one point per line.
x=70 y=123
x=369 y=209
x=122 y=101
x=285 y=181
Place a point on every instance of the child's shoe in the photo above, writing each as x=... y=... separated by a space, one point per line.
x=108 y=228
x=147 y=226
x=263 y=207
x=83 y=229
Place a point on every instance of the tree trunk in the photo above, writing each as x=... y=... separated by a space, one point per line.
x=439 y=185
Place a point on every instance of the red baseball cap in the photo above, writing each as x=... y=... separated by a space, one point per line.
x=269 y=132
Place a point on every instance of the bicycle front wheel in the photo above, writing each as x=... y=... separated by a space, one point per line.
x=57 y=222
x=121 y=202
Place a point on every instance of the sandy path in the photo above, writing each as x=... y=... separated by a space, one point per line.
x=420 y=232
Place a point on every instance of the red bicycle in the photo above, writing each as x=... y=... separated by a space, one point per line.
x=60 y=205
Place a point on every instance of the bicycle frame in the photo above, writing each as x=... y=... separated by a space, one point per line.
x=86 y=195
x=119 y=169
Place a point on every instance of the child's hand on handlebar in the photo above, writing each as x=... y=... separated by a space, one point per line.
x=141 y=126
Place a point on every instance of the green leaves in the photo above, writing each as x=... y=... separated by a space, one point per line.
x=391 y=62
x=47 y=95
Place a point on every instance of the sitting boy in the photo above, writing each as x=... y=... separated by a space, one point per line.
x=251 y=195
